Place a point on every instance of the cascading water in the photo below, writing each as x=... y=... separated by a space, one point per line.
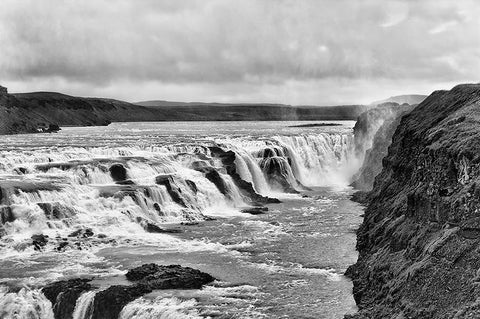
x=104 y=192
x=24 y=304
x=84 y=306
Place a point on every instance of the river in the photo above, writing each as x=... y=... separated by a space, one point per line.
x=285 y=263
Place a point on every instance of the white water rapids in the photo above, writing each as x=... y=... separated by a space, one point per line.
x=55 y=185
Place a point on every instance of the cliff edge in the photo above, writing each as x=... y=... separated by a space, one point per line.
x=419 y=244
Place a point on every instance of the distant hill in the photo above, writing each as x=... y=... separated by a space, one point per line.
x=411 y=99
x=201 y=111
x=27 y=112
x=163 y=103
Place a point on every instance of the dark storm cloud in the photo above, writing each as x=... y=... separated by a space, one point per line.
x=239 y=50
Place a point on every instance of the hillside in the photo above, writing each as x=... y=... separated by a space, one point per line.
x=419 y=243
x=26 y=112
x=252 y=112
x=78 y=111
x=400 y=99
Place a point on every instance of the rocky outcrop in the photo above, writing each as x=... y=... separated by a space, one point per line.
x=109 y=302
x=278 y=173
x=64 y=294
x=169 y=277
x=419 y=243
x=372 y=163
x=39 y=241
x=119 y=174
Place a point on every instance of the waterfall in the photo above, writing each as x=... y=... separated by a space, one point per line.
x=162 y=308
x=57 y=192
x=84 y=306
x=321 y=160
x=25 y=303
x=250 y=171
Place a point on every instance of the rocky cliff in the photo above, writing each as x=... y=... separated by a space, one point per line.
x=419 y=244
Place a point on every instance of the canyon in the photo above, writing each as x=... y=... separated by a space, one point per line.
x=419 y=241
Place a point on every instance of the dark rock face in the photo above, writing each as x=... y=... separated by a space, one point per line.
x=419 y=243
x=278 y=173
x=152 y=228
x=255 y=210
x=64 y=294
x=169 y=277
x=3 y=90
x=82 y=233
x=372 y=164
x=118 y=172
x=53 y=128
x=39 y=241
x=109 y=302
x=6 y=214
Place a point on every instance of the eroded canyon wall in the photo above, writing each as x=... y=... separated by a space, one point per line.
x=419 y=243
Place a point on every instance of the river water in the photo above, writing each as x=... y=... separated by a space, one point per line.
x=286 y=263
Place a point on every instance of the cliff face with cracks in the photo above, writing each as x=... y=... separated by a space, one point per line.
x=419 y=243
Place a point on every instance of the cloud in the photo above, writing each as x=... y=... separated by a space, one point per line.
x=237 y=50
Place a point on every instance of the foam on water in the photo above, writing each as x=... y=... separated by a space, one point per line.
x=25 y=303
x=161 y=308
x=50 y=186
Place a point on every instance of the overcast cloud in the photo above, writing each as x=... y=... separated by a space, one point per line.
x=287 y=51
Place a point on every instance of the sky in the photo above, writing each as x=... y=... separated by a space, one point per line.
x=301 y=52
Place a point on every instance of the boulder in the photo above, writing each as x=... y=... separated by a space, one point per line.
x=255 y=210
x=152 y=228
x=53 y=128
x=83 y=233
x=109 y=302
x=39 y=241
x=169 y=277
x=118 y=172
